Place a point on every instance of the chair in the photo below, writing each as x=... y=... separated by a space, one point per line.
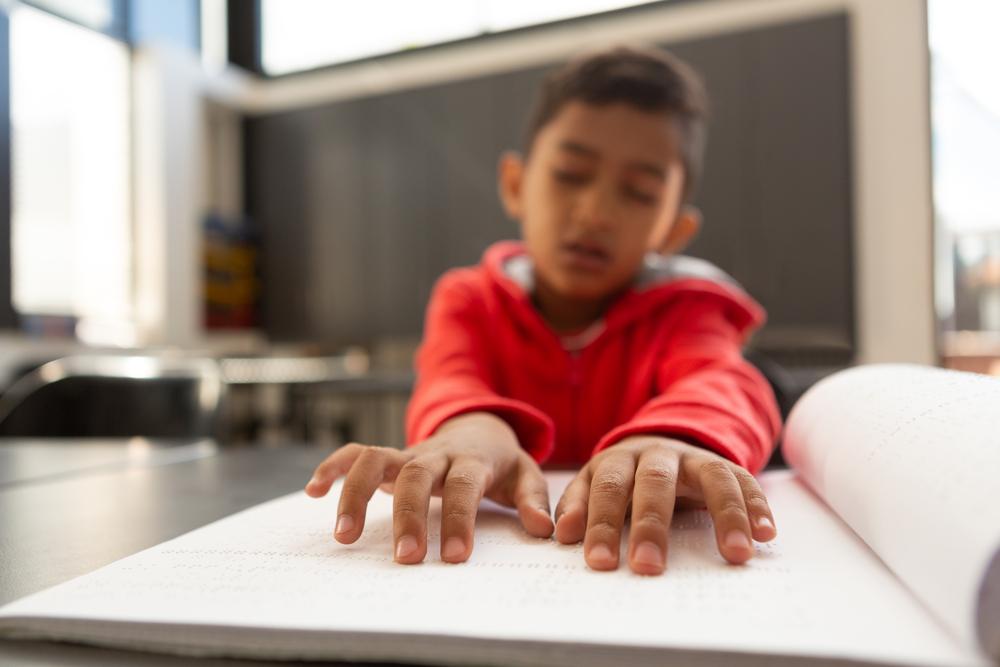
x=785 y=392
x=115 y=396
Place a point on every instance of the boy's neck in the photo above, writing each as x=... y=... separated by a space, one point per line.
x=566 y=316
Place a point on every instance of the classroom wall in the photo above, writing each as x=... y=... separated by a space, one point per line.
x=363 y=202
x=889 y=117
x=889 y=121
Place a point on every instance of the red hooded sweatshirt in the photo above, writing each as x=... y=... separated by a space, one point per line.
x=665 y=359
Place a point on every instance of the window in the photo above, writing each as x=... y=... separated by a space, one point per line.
x=304 y=34
x=965 y=96
x=103 y=15
x=70 y=223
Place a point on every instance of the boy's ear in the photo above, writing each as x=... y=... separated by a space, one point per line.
x=681 y=233
x=510 y=177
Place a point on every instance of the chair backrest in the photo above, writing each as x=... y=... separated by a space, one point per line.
x=785 y=392
x=115 y=396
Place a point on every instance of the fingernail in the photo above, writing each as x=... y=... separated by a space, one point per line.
x=406 y=546
x=345 y=523
x=764 y=522
x=454 y=548
x=736 y=539
x=648 y=553
x=601 y=553
x=312 y=481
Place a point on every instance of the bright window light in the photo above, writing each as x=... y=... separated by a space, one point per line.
x=298 y=35
x=966 y=112
x=965 y=96
x=502 y=15
x=96 y=14
x=70 y=226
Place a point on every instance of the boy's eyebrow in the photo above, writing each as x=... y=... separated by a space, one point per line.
x=652 y=169
x=586 y=151
x=577 y=147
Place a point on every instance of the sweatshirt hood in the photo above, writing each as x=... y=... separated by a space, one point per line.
x=660 y=279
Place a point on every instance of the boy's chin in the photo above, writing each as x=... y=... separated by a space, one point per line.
x=582 y=286
x=584 y=290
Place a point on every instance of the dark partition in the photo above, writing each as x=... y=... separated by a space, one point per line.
x=363 y=203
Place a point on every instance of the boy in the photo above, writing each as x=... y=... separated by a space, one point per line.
x=586 y=344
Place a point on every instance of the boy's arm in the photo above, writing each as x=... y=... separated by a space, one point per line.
x=714 y=419
x=455 y=371
x=709 y=394
x=467 y=442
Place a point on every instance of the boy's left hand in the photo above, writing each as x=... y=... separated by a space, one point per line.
x=652 y=472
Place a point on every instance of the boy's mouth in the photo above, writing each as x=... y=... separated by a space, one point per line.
x=586 y=255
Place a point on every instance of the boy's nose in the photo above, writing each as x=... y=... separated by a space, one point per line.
x=596 y=208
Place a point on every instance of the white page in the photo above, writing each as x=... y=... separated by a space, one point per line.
x=817 y=590
x=909 y=457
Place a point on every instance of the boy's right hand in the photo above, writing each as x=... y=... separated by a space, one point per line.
x=469 y=457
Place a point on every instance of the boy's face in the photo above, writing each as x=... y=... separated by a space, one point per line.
x=603 y=185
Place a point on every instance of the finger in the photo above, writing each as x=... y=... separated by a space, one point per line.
x=464 y=485
x=761 y=519
x=531 y=498
x=414 y=483
x=610 y=491
x=332 y=467
x=652 y=510
x=571 y=511
x=363 y=478
x=729 y=514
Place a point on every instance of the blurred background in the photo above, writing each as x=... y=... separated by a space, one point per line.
x=223 y=218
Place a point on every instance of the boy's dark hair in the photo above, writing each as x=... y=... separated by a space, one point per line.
x=646 y=78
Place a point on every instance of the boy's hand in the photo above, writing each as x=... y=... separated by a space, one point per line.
x=469 y=457
x=651 y=472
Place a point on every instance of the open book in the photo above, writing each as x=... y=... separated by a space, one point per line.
x=888 y=552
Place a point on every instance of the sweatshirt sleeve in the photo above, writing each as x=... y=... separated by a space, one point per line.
x=455 y=372
x=707 y=393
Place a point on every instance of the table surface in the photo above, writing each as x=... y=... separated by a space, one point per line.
x=68 y=507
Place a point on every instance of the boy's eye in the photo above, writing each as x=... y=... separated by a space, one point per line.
x=640 y=196
x=571 y=177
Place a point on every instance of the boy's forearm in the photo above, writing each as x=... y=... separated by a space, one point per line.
x=479 y=424
x=434 y=405
x=734 y=415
